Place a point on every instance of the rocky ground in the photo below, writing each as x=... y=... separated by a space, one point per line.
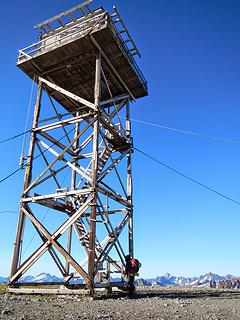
x=162 y=304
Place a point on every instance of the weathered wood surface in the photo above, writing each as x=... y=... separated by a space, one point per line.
x=70 y=65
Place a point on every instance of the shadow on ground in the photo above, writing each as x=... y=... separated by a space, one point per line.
x=178 y=294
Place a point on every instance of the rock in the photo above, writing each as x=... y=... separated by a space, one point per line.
x=161 y=305
x=6 y=312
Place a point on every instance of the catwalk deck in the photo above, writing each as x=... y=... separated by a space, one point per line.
x=66 y=57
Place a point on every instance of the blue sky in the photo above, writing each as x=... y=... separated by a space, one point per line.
x=190 y=57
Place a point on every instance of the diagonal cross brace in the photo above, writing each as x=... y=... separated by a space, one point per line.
x=51 y=240
x=110 y=242
x=79 y=170
x=57 y=158
x=67 y=93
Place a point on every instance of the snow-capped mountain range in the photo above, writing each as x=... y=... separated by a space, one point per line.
x=165 y=280
x=170 y=280
x=42 y=277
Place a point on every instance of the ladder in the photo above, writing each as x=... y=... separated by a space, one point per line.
x=123 y=33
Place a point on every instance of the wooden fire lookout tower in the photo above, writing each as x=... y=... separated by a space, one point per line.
x=79 y=159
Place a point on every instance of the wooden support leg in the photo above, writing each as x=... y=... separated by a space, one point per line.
x=92 y=235
x=27 y=180
x=129 y=182
x=73 y=187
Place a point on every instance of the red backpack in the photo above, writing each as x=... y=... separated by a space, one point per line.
x=134 y=265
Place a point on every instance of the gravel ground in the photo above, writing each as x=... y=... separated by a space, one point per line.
x=162 y=304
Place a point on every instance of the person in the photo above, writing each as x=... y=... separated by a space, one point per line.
x=130 y=275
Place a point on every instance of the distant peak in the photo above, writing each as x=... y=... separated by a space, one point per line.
x=167 y=275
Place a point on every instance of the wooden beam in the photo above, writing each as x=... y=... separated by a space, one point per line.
x=73 y=187
x=129 y=183
x=56 y=159
x=80 y=170
x=67 y=93
x=84 y=292
x=47 y=163
x=115 y=162
x=40 y=25
x=57 y=143
x=51 y=240
x=53 y=204
x=120 y=139
x=61 y=123
x=111 y=231
x=115 y=197
x=111 y=66
x=27 y=181
x=92 y=233
x=58 y=195
x=51 y=251
x=110 y=240
x=114 y=100
x=53 y=173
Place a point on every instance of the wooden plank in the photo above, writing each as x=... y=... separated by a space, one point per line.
x=111 y=66
x=51 y=240
x=55 y=117
x=52 y=252
x=27 y=181
x=114 y=196
x=80 y=170
x=111 y=231
x=67 y=93
x=24 y=54
x=57 y=143
x=92 y=233
x=57 y=195
x=107 y=212
x=114 y=100
x=110 y=241
x=49 y=291
x=52 y=204
x=129 y=183
x=64 y=13
x=56 y=159
x=73 y=187
x=115 y=162
x=29 y=262
x=61 y=123
x=53 y=173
